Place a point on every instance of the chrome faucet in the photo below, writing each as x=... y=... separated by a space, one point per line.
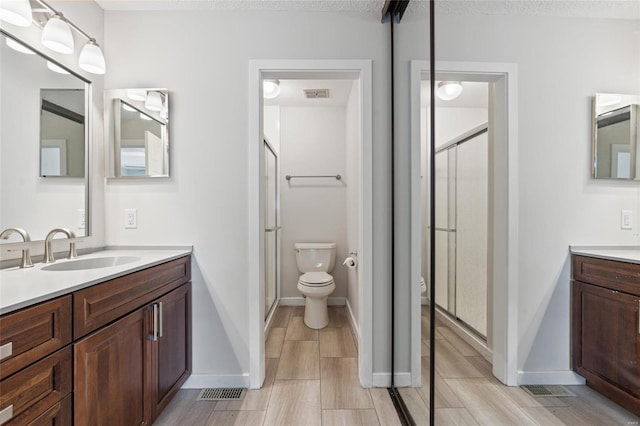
x=48 y=251
x=26 y=257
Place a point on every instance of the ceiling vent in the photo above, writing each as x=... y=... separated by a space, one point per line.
x=316 y=93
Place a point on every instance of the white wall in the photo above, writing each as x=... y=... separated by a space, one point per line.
x=33 y=195
x=203 y=58
x=352 y=177
x=271 y=124
x=559 y=203
x=312 y=142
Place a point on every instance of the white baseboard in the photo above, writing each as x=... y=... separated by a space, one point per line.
x=354 y=325
x=383 y=380
x=562 y=377
x=299 y=301
x=201 y=381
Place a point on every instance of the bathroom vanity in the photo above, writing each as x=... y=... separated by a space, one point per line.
x=113 y=349
x=605 y=290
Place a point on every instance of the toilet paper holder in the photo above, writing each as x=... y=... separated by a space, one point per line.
x=352 y=260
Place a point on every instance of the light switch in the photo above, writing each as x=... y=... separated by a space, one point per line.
x=626 y=219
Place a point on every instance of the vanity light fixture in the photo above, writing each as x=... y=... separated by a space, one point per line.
x=449 y=90
x=56 y=68
x=91 y=58
x=16 y=12
x=19 y=47
x=56 y=35
x=154 y=101
x=270 y=88
x=56 y=32
x=608 y=99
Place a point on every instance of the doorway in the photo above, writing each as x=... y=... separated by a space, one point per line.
x=361 y=296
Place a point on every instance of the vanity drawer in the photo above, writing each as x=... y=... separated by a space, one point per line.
x=33 y=333
x=36 y=389
x=621 y=276
x=103 y=303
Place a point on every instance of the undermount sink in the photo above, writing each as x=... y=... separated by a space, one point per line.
x=91 y=263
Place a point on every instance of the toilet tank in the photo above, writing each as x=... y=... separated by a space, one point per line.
x=315 y=257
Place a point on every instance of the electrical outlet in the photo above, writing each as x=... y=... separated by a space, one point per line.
x=130 y=218
x=626 y=219
x=81 y=219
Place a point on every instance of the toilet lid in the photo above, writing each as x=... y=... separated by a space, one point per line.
x=316 y=278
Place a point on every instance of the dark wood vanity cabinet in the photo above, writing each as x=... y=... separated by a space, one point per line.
x=606 y=327
x=130 y=354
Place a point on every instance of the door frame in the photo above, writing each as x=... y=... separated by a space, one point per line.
x=265 y=68
x=504 y=300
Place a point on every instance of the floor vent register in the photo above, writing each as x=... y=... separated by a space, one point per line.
x=540 y=391
x=222 y=394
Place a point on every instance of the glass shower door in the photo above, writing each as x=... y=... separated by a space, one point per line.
x=272 y=229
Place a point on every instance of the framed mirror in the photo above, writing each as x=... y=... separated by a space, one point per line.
x=615 y=136
x=137 y=121
x=44 y=143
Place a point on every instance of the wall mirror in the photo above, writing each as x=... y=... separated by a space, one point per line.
x=44 y=140
x=137 y=122
x=615 y=136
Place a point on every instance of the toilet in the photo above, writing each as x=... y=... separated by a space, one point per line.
x=423 y=286
x=315 y=261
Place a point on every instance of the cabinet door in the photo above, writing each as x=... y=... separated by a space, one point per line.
x=610 y=339
x=112 y=370
x=172 y=349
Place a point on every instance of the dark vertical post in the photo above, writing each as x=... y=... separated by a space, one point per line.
x=432 y=214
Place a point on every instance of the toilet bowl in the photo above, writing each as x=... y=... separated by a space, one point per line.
x=315 y=261
x=423 y=286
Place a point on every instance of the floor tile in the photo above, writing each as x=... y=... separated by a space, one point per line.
x=415 y=405
x=456 y=341
x=444 y=397
x=349 y=418
x=273 y=346
x=338 y=317
x=300 y=359
x=384 y=407
x=281 y=317
x=254 y=399
x=337 y=342
x=450 y=364
x=236 y=418
x=297 y=330
x=341 y=385
x=454 y=417
x=294 y=402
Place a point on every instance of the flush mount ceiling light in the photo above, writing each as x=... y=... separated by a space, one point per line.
x=449 y=90
x=91 y=58
x=16 y=12
x=19 y=47
x=139 y=95
x=56 y=35
x=271 y=88
x=154 y=101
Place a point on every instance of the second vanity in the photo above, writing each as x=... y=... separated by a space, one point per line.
x=605 y=325
x=101 y=339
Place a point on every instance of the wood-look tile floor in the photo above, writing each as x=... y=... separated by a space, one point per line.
x=311 y=379
x=468 y=394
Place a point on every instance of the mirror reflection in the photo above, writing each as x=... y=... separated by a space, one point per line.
x=62 y=130
x=43 y=134
x=615 y=134
x=139 y=135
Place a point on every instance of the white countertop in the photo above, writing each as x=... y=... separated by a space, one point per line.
x=20 y=288
x=630 y=254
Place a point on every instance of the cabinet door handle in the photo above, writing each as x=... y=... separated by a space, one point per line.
x=6 y=414
x=160 y=320
x=6 y=350
x=153 y=336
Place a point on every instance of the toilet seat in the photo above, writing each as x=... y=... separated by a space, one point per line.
x=316 y=279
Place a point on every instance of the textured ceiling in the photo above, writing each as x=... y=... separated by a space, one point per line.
x=621 y=9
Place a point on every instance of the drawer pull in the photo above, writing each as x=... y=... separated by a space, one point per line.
x=160 y=319
x=6 y=350
x=6 y=414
